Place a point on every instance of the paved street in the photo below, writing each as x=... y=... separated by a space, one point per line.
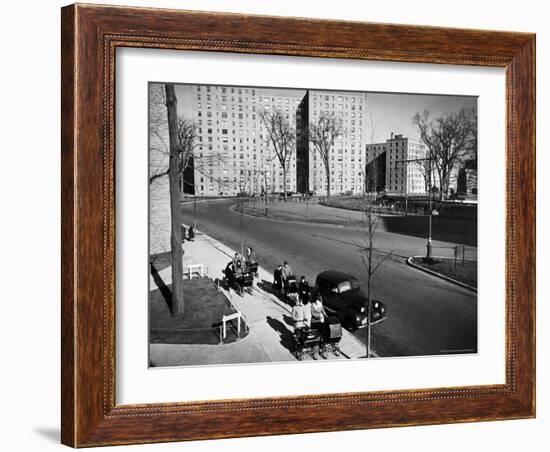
x=426 y=315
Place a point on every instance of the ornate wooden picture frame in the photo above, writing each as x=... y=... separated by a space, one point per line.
x=90 y=37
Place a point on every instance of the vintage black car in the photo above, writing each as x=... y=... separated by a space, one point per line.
x=344 y=297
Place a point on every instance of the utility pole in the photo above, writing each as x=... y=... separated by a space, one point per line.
x=242 y=228
x=194 y=209
x=429 y=244
x=265 y=193
x=407 y=196
x=364 y=177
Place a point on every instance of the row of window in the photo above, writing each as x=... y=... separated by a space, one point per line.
x=333 y=97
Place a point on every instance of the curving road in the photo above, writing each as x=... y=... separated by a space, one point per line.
x=426 y=315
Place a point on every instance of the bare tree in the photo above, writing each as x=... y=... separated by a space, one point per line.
x=472 y=126
x=372 y=259
x=281 y=135
x=371 y=171
x=450 y=139
x=186 y=142
x=174 y=172
x=323 y=134
x=423 y=166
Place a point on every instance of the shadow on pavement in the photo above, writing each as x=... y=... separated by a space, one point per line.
x=163 y=288
x=286 y=335
x=161 y=260
x=266 y=286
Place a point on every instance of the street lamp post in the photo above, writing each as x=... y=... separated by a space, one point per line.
x=364 y=177
x=429 y=240
x=407 y=196
x=429 y=244
x=265 y=193
x=194 y=209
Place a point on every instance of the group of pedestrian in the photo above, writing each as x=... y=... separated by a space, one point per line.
x=188 y=234
x=308 y=312
x=240 y=270
x=282 y=275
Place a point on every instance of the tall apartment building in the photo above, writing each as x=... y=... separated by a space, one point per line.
x=302 y=146
x=346 y=159
x=400 y=177
x=233 y=155
x=375 y=180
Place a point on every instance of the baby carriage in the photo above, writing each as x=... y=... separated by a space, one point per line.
x=331 y=334
x=245 y=282
x=307 y=342
x=291 y=288
x=252 y=267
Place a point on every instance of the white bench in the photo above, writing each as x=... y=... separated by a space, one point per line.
x=197 y=268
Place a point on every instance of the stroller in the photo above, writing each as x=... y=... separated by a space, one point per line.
x=307 y=342
x=291 y=288
x=253 y=267
x=331 y=334
x=245 y=282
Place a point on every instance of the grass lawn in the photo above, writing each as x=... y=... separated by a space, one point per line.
x=354 y=203
x=465 y=273
x=204 y=307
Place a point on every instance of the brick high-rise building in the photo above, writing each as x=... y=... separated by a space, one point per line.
x=233 y=155
x=400 y=177
x=346 y=159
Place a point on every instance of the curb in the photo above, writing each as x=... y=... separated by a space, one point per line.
x=439 y=275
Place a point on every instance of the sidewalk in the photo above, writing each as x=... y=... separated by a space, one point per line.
x=269 y=319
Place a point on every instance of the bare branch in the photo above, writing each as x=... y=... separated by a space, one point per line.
x=281 y=136
x=322 y=135
x=451 y=139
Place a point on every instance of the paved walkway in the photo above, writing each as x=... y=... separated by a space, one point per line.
x=268 y=317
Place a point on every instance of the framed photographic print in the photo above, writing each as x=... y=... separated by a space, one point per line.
x=280 y=225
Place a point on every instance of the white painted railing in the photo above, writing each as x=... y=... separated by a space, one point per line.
x=198 y=267
x=227 y=318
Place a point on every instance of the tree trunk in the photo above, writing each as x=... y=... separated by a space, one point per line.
x=177 y=305
x=369 y=281
x=284 y=183
x=327 y=170
x=444 y=186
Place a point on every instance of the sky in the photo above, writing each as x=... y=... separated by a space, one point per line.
x=391 y=112
x=394 y=112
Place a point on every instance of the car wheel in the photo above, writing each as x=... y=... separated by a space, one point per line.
x=348 y=323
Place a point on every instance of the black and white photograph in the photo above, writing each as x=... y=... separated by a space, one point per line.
x=296 y=224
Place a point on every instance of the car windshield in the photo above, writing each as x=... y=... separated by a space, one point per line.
x=346 y=286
